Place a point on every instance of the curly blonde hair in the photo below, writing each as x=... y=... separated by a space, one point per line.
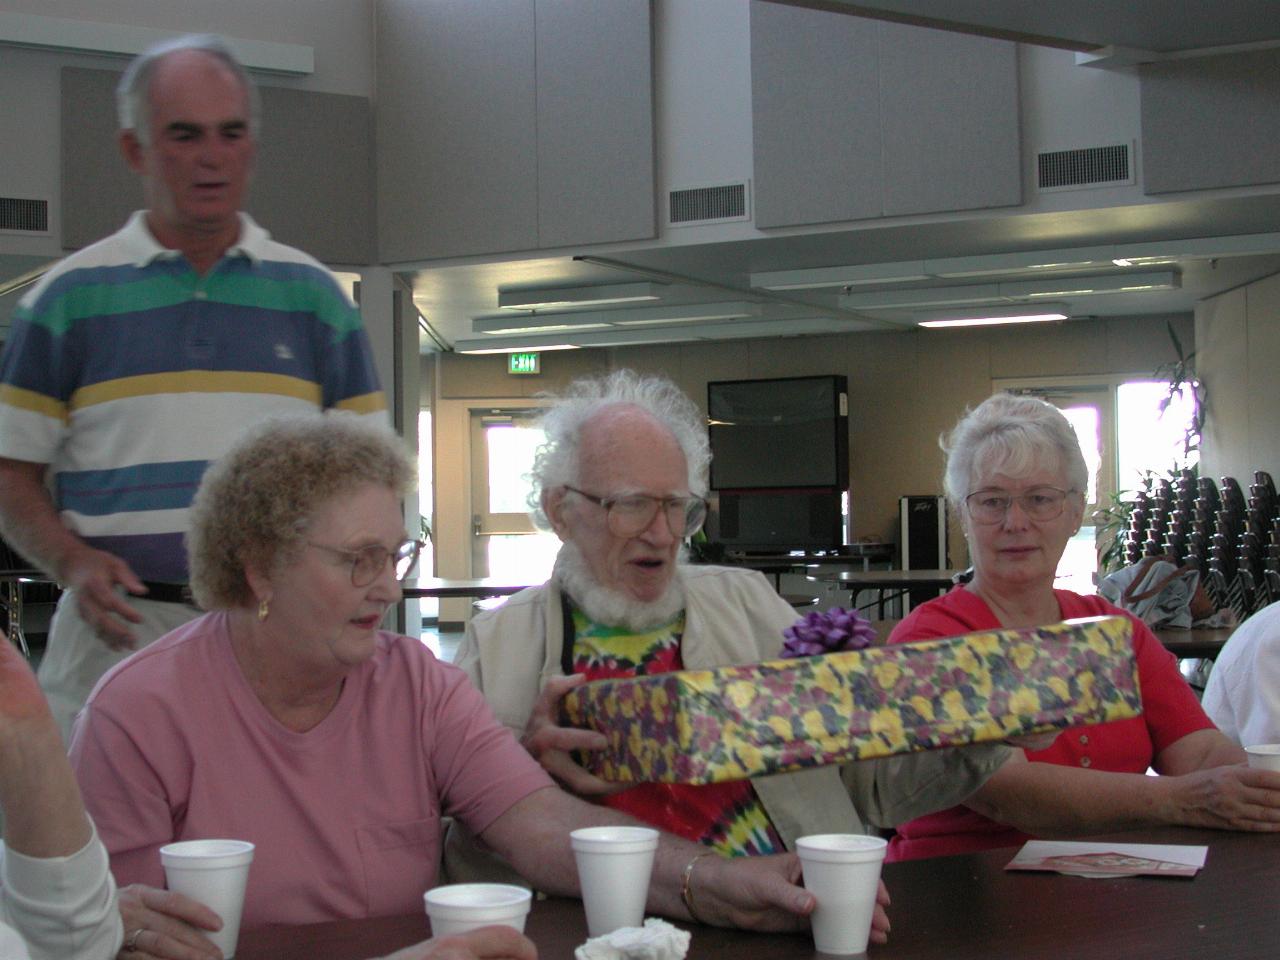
x=255 y=504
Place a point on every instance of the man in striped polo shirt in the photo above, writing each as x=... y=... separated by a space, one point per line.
x=136 y=361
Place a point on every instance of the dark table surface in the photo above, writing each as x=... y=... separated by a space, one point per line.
x=476 y=589
x=1194 y=642
x=950 y=908
x=887 y=579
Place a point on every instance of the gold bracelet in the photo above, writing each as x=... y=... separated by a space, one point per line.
x=686 y=886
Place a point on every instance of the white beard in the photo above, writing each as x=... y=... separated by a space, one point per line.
x=612 y=607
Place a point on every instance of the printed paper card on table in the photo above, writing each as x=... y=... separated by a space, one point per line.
x=1102 y=859
x=706 y=726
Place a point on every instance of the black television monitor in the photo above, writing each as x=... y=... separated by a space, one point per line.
x=779 y=434
x=781 y=521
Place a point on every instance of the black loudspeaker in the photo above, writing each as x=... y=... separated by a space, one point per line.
x=781 y=520
x=923 y=537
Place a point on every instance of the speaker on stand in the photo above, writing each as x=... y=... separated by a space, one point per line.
x=923 y=536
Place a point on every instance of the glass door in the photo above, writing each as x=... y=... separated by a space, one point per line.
x=505 y=543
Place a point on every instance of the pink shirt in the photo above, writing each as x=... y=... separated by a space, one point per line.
x=1170 y=711
x=173 y=744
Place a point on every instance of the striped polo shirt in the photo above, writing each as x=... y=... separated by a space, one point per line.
x=127 y=373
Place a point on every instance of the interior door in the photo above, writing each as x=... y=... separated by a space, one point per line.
x=504 y=542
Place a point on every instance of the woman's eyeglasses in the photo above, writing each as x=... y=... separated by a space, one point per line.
x=1038 y=503
x=367 y=563
x=629 y=515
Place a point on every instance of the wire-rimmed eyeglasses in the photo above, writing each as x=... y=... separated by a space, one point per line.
x=367 y=563
x=630 y=514
x=1038 y=503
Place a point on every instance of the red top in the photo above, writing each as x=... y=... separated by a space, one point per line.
x=1170 y=712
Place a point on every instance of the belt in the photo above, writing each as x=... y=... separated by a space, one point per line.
x=168 y=592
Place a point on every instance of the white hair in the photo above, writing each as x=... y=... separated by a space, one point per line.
x=1015 y=435
x=557 y=460
x=133 y=93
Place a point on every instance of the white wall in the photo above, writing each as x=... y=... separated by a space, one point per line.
x=339 y=31
x=1067 y=107
x=1238 y=359
x=704 y=125
x=702 y=104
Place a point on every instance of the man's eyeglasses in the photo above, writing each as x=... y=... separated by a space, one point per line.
x=1038 y=503
x=629 y=515
x=367 y=563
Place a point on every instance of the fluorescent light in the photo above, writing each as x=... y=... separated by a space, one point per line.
x=620 y=336
x=551 y=297
x=539 y=323
x=465 y=346
x=689 y=313
x=1012 y=291
x=523 y=325
x=992 y=321
x=849 y=276
x=923 y=297
x=986 y=265
x=1088 y=286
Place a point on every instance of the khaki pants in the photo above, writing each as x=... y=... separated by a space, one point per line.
x=75 y=658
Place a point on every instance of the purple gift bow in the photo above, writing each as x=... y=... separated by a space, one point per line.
x=830 y=631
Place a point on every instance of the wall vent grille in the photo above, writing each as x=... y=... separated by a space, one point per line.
x=708 y=204
x=1086 y=167
x=26 y=216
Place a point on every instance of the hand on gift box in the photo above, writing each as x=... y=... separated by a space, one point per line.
x=550 y=744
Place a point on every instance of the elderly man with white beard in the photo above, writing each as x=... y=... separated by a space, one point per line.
x=620 y=480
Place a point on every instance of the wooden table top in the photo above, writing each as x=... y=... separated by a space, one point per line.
x=949 y=908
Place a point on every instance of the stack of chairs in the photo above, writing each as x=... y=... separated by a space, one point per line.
x=1136 y=535
x=1260 y=522
x=1178 y=527
x=1233 y=539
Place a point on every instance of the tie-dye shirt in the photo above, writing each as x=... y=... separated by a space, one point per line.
x=728 y=817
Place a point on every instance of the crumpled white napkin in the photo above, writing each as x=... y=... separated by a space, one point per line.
x=656 y=940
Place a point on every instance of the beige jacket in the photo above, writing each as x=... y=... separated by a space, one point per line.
x=732 y=616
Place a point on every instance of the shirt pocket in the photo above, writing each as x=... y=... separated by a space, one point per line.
x=401 y=860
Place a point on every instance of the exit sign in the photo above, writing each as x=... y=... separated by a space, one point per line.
x=524 y=363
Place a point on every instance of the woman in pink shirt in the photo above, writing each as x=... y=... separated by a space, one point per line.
x=1016 y=477
x=287 y=718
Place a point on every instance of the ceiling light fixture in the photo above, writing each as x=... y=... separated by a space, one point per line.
x=1089 y=286
x=523 y=325
x=850 y=276
x=539 y=323
x=661 y=334
x=1013 y=291
x=550 y=297
x=511 y=347
x=992 y=321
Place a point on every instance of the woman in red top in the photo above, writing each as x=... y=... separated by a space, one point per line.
x=1015 y=475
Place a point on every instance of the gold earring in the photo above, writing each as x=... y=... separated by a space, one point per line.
x=262 y=610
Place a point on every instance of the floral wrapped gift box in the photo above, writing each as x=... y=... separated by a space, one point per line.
x=704 y=726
